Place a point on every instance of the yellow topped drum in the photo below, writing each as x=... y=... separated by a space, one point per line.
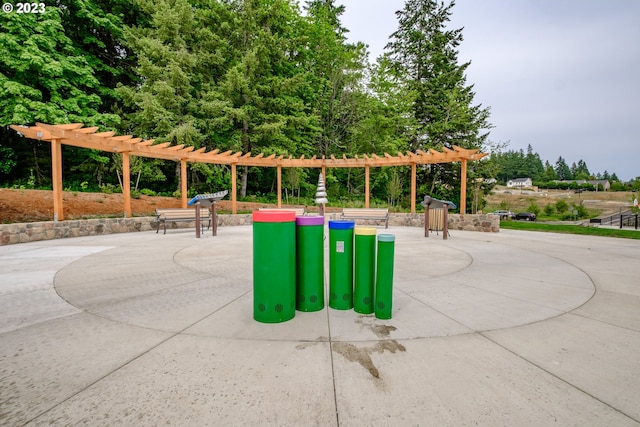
x=365 y=269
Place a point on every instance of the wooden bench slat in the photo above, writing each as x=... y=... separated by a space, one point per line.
x=381 y=214
x=165 y=215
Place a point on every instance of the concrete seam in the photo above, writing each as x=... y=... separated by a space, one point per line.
x=130 y=361
x=482 y=334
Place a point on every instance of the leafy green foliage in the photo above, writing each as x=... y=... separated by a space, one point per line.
x=7 y=160
x=561 y=206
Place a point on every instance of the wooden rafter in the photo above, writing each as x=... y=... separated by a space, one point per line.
x=76 y=134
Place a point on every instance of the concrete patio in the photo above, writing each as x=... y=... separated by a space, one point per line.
x=494 y=329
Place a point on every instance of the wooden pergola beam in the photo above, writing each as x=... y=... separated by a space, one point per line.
x=87 y=137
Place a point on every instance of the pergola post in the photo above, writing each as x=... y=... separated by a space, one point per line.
x=56 y=172
x=183 y=182
x=234 y=193
x=87 y=137
x=126 y=184
x=463 y=188
x=279 y=184
x=413 y=188
x=366 y=186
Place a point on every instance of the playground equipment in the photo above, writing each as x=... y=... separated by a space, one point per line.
x=309 y=263
x=365 y=269
x=208 y=201
x=274 y=266
x=341 y=264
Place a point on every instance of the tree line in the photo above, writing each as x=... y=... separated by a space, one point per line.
x=261 y=76
x=518 y=164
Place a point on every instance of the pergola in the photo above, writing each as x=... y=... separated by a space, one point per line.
x=75 y=134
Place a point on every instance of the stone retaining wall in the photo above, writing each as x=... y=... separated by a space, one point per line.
x=48 y=230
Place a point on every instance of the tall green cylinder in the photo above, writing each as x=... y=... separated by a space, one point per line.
x=341 y=264
x=310 y=263
x=274 y=266
x=365 y=269
x=384 y=276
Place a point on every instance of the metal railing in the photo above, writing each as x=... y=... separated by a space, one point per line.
x=623 y=219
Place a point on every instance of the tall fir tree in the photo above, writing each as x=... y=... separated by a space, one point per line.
x=424 y=52
x=335 y=69
x=62 y=66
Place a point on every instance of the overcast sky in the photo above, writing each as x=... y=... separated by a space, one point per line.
x=561 y=75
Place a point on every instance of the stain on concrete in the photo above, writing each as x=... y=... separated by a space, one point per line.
x=362 y=355
x=359 y=355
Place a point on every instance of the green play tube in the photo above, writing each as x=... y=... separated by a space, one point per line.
x=274 y=266
x=384 y=275
x=341 y=264
x=365 y=269
x=310 y=263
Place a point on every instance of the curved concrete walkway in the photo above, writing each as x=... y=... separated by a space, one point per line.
x=511 y=328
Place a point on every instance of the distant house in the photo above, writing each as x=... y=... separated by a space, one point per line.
x=606 y=185
x=519 y=183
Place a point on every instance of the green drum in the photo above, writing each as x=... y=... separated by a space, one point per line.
x=310 y=263
x=274 y=266
x=365 y=269
x=384 y=276
x=341 y=264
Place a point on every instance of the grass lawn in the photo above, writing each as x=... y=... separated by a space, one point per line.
x=570 y=229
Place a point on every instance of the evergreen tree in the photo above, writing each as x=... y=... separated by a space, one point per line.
x=424 y=53
x=562 y=170
x=262 y=91
x=334 y=69
x=61 y=66
x=549 y=173
x=534 y=167
x=48 y=75
x=581 y=171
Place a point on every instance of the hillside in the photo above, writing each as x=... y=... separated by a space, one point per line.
x=37 y=205
x=605 y=202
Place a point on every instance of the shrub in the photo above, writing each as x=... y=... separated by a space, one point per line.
x=561 y=206
x=533 y=208
x=549 y=210
x=109 y=188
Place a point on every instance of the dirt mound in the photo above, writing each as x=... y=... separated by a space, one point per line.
x=37 y=205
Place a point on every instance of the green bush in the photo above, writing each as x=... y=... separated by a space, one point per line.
x=109 y=188
x=533 y=208
x=147 y=192
x=549 y=210
x=561 y=206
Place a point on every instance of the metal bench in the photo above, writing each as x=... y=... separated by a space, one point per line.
x=376 y=214
x=166 y=215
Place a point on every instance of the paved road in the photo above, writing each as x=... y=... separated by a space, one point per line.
x=509 y=328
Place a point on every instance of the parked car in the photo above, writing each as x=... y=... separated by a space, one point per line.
x=504 y=214
x=526 y=216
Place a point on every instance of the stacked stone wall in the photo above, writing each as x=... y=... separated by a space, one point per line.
x=48 y=230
